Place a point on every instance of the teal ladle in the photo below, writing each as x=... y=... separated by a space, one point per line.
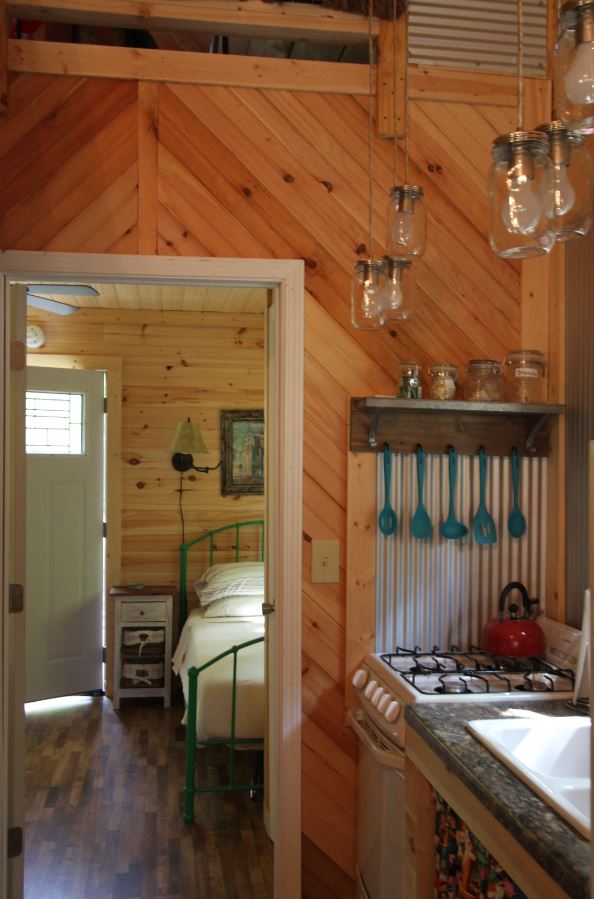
x=421 y=526
x=516 y=523
x=387 y=521
x=451 y=528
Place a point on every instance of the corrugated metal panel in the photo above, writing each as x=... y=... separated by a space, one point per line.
x=466 y=34
x=580 y=416
x=444 y=591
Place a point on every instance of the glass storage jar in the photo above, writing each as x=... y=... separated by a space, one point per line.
x=443 y=381
x=484 y=383
x=525 y=376
x=409 y=385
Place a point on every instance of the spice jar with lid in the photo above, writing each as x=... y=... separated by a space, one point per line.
x=525 y=376
x=409 y=386
x=443 y=381
x=484 y=383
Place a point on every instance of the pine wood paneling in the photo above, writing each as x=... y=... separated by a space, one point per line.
x=245 y=172
x=174 y=365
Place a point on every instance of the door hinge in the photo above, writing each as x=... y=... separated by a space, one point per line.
x=18 y=355
x=16 y=598
x=104 y=529
x=14 y=842
x=105 y=405
x=104 y=654
x=267 y=608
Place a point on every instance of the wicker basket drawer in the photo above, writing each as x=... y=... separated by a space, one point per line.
x=144 y=611
x=142 y=673
x=143 y=642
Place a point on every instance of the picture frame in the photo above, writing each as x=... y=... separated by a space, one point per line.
x=242 y=452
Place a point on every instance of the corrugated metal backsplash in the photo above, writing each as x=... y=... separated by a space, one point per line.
x=444 y=591
x=465 y=34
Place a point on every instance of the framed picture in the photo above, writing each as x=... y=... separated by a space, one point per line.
x=242 y=452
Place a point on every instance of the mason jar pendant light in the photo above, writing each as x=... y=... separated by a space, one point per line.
x=519 y=187
x=571 y=179
x=407 y=218
x=573 y=66
x=368 y=289
x=401 y=289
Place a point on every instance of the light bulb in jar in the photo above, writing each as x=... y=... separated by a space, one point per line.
x=579 y=79
x=563 y=191
x=402 y=229
x=373 y=301
x=522 y=208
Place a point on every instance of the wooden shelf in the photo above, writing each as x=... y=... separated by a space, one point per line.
x=402 y=424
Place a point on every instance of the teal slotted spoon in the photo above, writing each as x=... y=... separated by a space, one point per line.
x=387 y=521
x=516 y=523
x=483 y=526
x=420 y=525
x=451 y=528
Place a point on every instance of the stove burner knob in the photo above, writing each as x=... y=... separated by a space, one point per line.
x=370 y=689
x=377 y=696
x=359 y=678
x=392 y=711
x=384 y=703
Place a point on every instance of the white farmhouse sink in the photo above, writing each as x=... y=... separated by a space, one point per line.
x=552 y=755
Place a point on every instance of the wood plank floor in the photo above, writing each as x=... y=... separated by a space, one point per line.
x=103 y=811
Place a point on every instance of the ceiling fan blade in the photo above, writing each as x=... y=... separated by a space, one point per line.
x=50 y=305
x=64 y=290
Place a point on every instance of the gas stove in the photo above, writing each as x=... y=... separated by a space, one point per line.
x=387 y=681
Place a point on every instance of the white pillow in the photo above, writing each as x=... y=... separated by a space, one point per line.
x=230 y=579
x=234 y=607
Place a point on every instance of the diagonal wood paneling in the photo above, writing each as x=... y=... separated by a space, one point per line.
x=242 y=172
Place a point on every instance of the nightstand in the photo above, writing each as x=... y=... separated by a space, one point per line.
x=143 y=618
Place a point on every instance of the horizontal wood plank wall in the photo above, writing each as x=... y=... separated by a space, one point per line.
x=255 y=173
x=174 y=365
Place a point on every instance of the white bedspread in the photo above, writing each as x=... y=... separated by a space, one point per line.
x=202 y=639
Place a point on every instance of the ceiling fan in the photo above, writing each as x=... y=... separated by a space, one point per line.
x=62 y=290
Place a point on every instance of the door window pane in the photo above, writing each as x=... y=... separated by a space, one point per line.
x=54 y=422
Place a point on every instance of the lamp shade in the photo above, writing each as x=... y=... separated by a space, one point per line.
x=187 y=439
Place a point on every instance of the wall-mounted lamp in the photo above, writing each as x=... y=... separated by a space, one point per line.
x=186 y=443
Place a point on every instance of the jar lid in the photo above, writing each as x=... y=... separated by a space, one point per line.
x=486 y=366
x=445 y=368
x=533 y=356
x=534 y=142
x=409 y=367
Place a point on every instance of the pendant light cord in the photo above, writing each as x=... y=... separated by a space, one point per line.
x=394 y=122
x=370 y=128
x=520 y=67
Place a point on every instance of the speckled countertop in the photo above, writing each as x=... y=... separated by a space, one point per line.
x=556 y=846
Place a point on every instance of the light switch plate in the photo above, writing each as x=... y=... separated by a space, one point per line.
x=325 y=561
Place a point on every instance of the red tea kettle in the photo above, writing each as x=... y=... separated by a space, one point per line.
x=513 y=636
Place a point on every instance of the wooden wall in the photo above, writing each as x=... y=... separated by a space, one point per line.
x=174 y=365
x=274 y=173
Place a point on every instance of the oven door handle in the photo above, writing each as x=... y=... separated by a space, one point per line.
x=386 y=754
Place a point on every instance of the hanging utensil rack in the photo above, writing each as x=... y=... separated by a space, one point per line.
x=404 y=423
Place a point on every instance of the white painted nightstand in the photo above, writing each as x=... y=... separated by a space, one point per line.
x=143 y=619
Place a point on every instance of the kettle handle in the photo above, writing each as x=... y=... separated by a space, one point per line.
x=515 y=585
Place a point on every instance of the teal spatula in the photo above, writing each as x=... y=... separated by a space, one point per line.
x=452 y=528
x=387 y=521
x=483 y=526
x=421 y=526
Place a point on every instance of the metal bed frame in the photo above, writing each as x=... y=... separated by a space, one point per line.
x=233 y=742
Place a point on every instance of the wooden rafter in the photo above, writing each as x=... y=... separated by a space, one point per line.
x=284 y=21
x=3 y=57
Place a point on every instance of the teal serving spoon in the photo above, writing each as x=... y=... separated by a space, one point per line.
x=420 y=525
x=387 y=521
x=451 y=528
x=516 y=523
x=483 y=526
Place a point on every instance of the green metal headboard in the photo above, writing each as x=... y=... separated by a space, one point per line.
x=210 y=536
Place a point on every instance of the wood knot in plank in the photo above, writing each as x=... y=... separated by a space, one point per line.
x=134 y=461
x=247 y=191
x=288 y=178
x=140 y=484
x=361 y=250
x=327 y=184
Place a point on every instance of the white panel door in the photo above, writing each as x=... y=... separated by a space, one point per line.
x=64 y=532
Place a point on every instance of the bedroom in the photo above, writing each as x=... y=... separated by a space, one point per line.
x=176 y=352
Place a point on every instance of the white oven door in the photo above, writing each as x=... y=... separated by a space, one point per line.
x=380 y=813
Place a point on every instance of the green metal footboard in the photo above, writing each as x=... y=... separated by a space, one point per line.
x=190 y=788
x=210 y=535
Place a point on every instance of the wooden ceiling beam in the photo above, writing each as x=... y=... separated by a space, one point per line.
x=283 y=21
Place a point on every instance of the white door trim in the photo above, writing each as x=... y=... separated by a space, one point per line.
x=286 y=494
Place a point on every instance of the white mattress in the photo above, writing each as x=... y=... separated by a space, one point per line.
x=202 y=639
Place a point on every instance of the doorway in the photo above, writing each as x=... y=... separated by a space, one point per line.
x=286 y=376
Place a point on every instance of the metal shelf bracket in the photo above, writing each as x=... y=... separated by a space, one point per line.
x=530 y=448
x=373 y=428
